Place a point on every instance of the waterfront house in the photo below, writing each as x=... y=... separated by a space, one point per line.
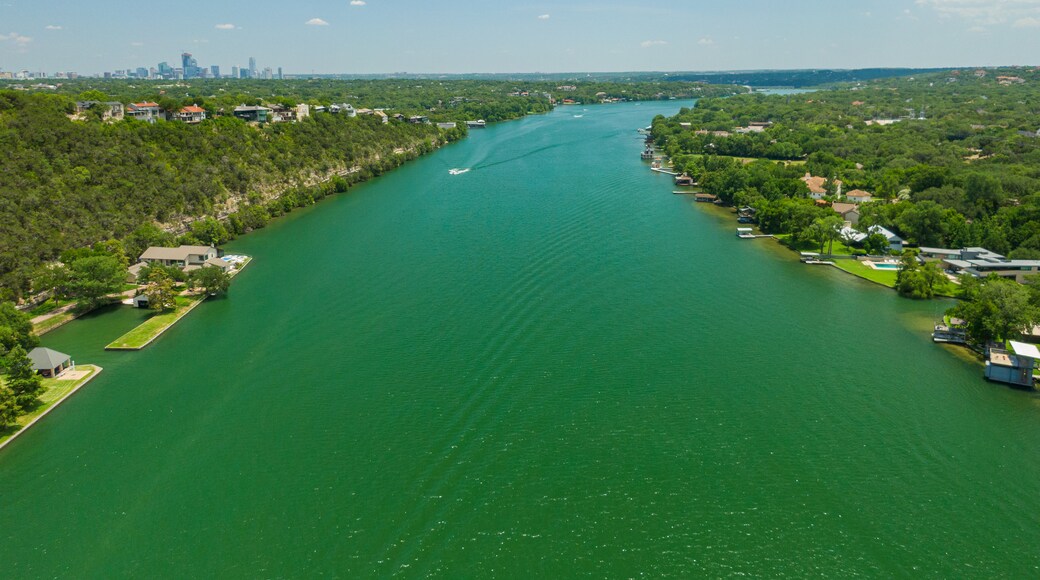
x=141 y=301
x=848 y=211
x=858 y=196
x=895 y=243
x=1015 y=366
x=684 y=181
x=704 y=198
x=446 y=125
x=191 y=114
x=817 y=186
x=179 y=257
x=49 y=363
x=975 y=264
x=252 y=113
x=418 y=119
x=146 y=111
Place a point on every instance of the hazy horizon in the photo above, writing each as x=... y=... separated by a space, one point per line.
x=366 y=37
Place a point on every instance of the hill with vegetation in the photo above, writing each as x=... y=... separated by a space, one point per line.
x=71 y=182
x=959 y=152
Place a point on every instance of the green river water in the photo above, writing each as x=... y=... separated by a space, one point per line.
x=549 y=366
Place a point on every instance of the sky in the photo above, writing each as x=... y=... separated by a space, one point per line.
x=474 y=36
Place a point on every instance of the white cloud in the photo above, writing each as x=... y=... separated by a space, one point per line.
x=53 y=27
x=706 y=41
x=19 y=40
x=986 y=12
x=358 y=2
x=225 y=27
x=1027 y=22
x=136 y=44
x=543 y=17
x=316 y=22
x=649 y=43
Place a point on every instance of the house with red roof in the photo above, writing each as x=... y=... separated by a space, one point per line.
x=191 y=114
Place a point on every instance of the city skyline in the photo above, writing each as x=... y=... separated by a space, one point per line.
x=374 y=36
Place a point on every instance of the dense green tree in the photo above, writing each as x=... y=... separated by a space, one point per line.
x=94 y=277
x=160 y=291
x=212 y=280
x=1000 y=309
x=16 y=329
x=22 y=379
x=876 y=244
x=209 y=231
x=9 y=409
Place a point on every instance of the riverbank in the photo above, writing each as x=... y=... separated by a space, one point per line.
x=151 y=329
x=56 y=391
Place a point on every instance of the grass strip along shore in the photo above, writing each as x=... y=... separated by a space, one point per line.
x=55 y=392
x=151 y=329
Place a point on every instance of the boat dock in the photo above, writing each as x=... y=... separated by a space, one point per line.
x=665 y=171
x=748 y=234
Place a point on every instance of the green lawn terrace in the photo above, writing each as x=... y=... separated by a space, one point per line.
x=55 y=391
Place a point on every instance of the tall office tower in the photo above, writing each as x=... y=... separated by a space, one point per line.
x=215 y=70
x=234 y=72
x=190 y=66
x=280 y=73
x=252 y=68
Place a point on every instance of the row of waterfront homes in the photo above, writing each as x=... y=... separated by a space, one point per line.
x=273 y=113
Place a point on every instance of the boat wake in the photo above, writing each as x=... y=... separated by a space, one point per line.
x=458 y=171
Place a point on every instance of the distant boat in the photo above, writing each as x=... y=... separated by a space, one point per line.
x=458 y=171
x=578 y=116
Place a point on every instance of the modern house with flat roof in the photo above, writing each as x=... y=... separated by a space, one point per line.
x=1014 y=367
x=180 y=257
x=980 y=262
x=252 y=113
x=49 y=363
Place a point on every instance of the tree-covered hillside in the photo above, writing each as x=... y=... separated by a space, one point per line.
x=69 y=184
x=958 y=151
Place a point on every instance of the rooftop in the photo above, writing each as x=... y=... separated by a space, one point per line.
x=45 y=358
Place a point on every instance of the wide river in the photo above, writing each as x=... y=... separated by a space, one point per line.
x=549 y=366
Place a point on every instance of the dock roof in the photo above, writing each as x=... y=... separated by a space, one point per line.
x=46 y=359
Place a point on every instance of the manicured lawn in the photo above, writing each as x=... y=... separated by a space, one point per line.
x=148 y=330
x=857 y=268
x=839 y=249
x=53 y=322
x=54 y=391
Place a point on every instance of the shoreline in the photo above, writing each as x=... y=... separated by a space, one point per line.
x=169 y=325
x=97 y=371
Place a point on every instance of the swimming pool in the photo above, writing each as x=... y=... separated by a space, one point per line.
x=884 y=266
